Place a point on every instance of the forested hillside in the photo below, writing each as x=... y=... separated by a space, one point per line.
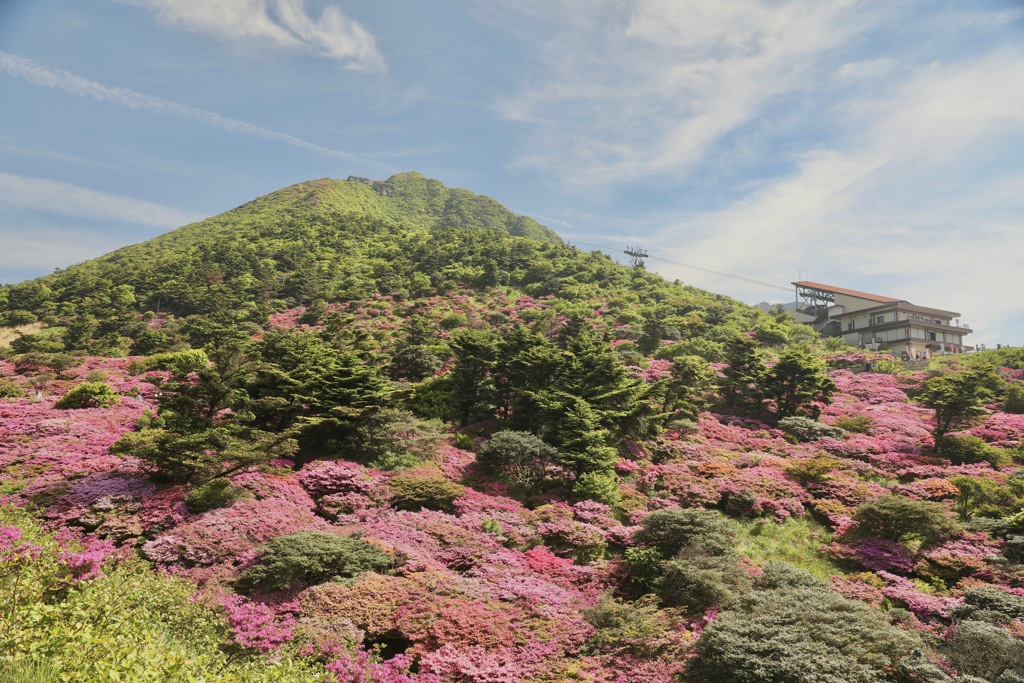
x=339 y=435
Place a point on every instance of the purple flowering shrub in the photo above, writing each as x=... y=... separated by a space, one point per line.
x=485 y=589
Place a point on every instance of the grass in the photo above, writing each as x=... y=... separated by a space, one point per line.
x=795 y=541
x=9 y=334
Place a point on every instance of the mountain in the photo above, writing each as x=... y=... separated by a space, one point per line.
x=314 y=243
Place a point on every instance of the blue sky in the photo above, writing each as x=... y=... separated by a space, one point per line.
x=875 y=145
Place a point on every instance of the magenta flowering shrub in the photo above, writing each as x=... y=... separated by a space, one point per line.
x=223 y=535
x=88 y=560
x=494 y=591
x=883 y=555
x=969 y=555
x=924 y=605
x=13 y=548
x=256 y=626
x=360 y=667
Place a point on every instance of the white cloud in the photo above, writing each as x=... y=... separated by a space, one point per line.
x=58 y=79
x=47 y=247
x=915 y=205
x=869 y=69
x=55 y=197
x=259 y=24
x=650 y=90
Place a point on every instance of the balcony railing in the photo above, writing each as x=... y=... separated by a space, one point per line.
x=927 y=321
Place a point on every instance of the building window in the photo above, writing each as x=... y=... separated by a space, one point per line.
x=878 y=319
x=849 y=326
x=930 y=335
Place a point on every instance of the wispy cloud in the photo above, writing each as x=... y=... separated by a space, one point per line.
x=59 y=79
x=46 y=247
x=917 y=203
x=55 y=197
x=260 y=24
x=650 y=90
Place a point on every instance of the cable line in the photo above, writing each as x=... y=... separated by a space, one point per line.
x=688 y=265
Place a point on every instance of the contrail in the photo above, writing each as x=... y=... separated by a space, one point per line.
x=58 y=79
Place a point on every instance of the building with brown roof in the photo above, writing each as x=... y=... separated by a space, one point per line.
x=875 y=321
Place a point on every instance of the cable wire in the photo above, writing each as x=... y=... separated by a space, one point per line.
x=706 y=270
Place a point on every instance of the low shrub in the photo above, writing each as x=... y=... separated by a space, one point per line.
x=781 y=575
x=965 y=449
x=801 y=634
x=1013 y=402
x=9 y=389
x=177 y=362
x=89 y=395
x=858 y=424
x=671 y=530
x=310 y=557
x=518 y=457
x=213 y=494
x=806 y=429
x=432 y=493
x=977 y=648
x=901 y=519
x=87 y=613
x=700 y=582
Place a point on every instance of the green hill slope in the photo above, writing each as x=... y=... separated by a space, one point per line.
x=327 y=241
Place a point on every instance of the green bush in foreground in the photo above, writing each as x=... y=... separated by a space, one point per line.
x=127 y=624
x=804 y=635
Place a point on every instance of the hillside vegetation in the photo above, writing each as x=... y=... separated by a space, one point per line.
x=358 y=440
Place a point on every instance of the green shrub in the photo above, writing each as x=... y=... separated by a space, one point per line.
x=900 y=519
x=782 y=575
x=177 y=362
x=977 y=648
x=432 y=493
x=19 y=317
x=89 y=395
x=989 y=599
x=128 y=624
x=644 y=565
x=310 y=557
x=700 y=582
x=801 y=635
x=858 y=424
x=965 y=449
x=9 y=389
x=602 y=486
x=636 y=627
x=1013 y=402
x=518 y=457
x=806 y=429
x=213 y=494
x=816 y=469
x=36 y=343
x=670 y=531
x=57 y=362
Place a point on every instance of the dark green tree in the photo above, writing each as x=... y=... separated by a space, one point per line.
x=742 y=382
x=958 y=400
x=475 y=354
x=689 y=391
x=796 y=385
